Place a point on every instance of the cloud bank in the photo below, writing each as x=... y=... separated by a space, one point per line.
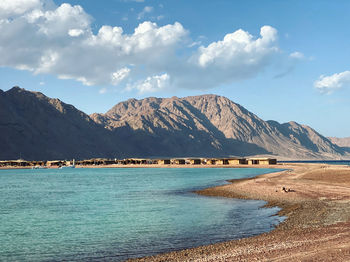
x=38 y=36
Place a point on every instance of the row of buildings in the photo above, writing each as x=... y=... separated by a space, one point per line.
x=139 y=161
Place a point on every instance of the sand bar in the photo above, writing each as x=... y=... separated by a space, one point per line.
x=316 y=201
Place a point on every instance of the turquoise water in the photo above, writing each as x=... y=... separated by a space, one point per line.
x=115 y=214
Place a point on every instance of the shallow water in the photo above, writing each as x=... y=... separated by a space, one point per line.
x=115 y=214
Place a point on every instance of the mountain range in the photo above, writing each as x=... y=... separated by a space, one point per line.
x=33 y=126
x=342 y=142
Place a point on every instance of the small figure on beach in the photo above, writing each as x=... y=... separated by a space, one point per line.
x=287 y=190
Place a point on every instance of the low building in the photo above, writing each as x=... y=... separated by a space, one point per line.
x=56 y=163
x=221 y=161
x=164 y=162
x=18 y=162
x=262 y=161
x=179 y=161
x=237 y=161
x=195 y=161
x=212 y=161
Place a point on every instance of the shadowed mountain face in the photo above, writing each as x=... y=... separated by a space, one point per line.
x=34 y=126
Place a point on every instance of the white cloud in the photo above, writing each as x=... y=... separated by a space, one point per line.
x=328 y=84
x=146 y=10
x=75 y=32
x=238 y=56
x=120 y=75
x=59 y=40
x=151 y=84
x=10 y=8
x=297 y=55
x=239 y=48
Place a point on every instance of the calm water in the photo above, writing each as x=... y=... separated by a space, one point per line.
x=114 y=214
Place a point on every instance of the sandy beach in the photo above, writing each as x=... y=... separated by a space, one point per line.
x=315 y=200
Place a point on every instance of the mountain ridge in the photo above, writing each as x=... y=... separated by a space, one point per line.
x=220 y=115
x=203 y=126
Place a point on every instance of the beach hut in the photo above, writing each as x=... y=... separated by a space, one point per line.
x=267 y=161
x=253 y=161
x=55 y=163
x=154 y=161
x=195 y=161
x=212 y=161
x=109 y=161
x=262 y=161
x=237 y=161
x=179 y=161
x=18 y=162
x=222 y=161
x=164 y=162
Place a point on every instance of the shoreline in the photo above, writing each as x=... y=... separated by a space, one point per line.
x=277 y=166
x=317 y=210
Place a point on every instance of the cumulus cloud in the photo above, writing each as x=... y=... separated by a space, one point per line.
x=239 y=47
x=10 y=8
x=328 y=84
x=238 y=56
x=38 y=36
x=60 y=41
x=151 y=84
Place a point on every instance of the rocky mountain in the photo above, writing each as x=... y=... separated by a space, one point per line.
x=33 y=126
x=342 y=142
x=214 y=125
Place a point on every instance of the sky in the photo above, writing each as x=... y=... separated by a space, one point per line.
x=282 y=60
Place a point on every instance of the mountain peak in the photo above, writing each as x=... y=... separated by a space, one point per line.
x=15 y=89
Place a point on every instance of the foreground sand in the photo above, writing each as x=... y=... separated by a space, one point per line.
x=317 y=227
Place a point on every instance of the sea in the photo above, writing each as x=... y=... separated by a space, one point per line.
x=103 y=214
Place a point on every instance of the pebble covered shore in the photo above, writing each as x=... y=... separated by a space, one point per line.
x=315 y=198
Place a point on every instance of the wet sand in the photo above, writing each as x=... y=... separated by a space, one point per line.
x=317 y=207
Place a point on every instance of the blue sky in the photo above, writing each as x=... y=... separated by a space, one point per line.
x=282 y=60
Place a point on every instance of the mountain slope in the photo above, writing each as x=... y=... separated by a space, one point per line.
x=172 y=127
x=213 y=120
x=342 y=142
x=33 y=126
